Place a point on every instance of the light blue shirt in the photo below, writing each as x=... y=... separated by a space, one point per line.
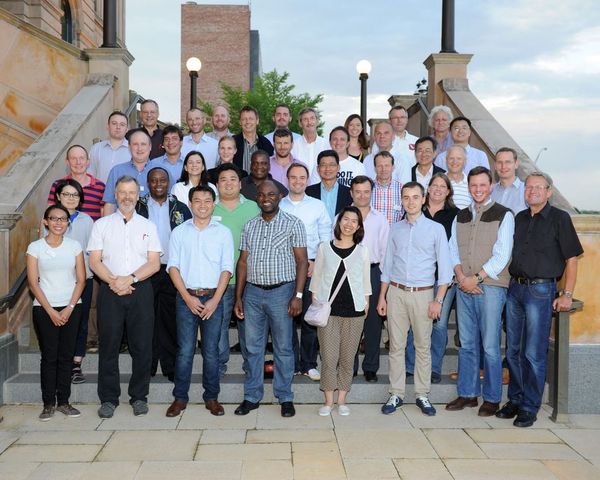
x=208 y=147
x=125 y=169
x=201 y=255
x=159 y=216
x=475 y=158
x=501 y=251
x=512 y=197
x=413 y=252
x=103 y=157
x=174 y=169
x=329 y=198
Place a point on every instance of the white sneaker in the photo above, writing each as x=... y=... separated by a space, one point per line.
x=343 y=410
x=325 y=410
x=313 y=374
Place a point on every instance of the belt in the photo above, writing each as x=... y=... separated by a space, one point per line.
x=270 y=287
x=410 y=289
x=533 y=281
x=373 y=265
x=202 y=292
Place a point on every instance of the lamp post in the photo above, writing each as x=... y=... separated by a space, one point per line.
x=537 y=157
x=193 y=65
x=363 y=67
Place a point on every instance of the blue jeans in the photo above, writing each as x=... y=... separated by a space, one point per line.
x=439 y=336
x=307 y=349
x=227 y=301
x=187 y=333
x=264 y=310
x=528 y=320
x=480 y=319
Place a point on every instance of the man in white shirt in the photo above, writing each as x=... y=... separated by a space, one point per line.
x=220 y=123
x=510 y=190
x=460 y=129
x=106 y=154
x=309 y=145
x=282 y=117
x=404 y=142
x=456 y=156
x=124 y=253
x=350 y=167
x=197 y=140
x=384 y=138
x=317 y=223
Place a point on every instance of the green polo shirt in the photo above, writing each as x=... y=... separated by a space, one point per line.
x=235 y=221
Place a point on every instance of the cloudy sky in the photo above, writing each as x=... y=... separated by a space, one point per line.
x=536 y=65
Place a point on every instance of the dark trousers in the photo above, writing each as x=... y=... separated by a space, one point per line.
x=136 y=313
x=86 y=303
x=305 y=351
x=57 y=345
x=164 y=342
x=372 y=328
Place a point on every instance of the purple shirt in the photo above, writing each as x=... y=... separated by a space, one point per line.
x=279 y=173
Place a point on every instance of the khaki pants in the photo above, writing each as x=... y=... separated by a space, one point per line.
x=409 y=310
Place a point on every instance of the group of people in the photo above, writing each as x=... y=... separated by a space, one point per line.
x=168 y=234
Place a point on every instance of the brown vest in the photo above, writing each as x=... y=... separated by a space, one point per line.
x=476 y=239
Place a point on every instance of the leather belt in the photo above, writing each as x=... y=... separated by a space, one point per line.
x=202 y=292
x=533 y=281
x=410 y=289
x=270 y=287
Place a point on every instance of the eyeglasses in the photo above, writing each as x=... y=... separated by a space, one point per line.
x=460 y=129
x=69 y=195
x=58 y=219
x=536 y=188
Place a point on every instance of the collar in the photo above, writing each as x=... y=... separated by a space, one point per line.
x=486 y=205
x=544 y=212
x=93 y=179
x=333 y=189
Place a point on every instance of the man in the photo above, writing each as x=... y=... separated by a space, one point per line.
x=149 y=113
x=166 y=213
x=271 y=272
x=417 y=247
x=309 y=145
x=259 y=172
x=510 y=190
x=106 y=154
x=546 y=248
x=334 y=194
x=283 y=158
x=460 y=129
x=199 y=141
x=386 y=197
x=140 y=145
x=124 y=253
x=172 y=160
x=249 y=141
x=480 y=246
x=384 y=137
x=350 y=167
x=376 y=237
x=318 y=226
x=404 y=143
x=232 y=210
x=282 y=117
x=201 y=241
x=220 y=123
x=425 y=148
x=77 y=161
x=456 y=156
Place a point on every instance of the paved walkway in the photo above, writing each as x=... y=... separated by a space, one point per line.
x=366 y=445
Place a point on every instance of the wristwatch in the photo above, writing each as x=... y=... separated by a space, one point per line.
x=440 y=301
x=71 y=306
x=135 y=279
x=299 y=295
x=566 y=293
x=479 y=278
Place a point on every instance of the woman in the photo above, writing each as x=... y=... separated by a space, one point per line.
x=227 y=150
x=56 y=277
x=339 y=339
x=359 y=143
x=440 y=208
x=193 y=174
x=70 y=195
x=439 y=122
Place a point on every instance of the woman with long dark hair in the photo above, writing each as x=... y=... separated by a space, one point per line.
x=194 y=173
x=359 y=142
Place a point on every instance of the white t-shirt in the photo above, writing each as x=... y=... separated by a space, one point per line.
x=182 y=191
x=56 y=268
x=349 y=168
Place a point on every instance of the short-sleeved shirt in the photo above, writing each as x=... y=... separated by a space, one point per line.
x=126 y=169
x=124 y=245
x=56 y=268
x=270 y=247
x=92 y=196
x=173 y=169
x=543 y=243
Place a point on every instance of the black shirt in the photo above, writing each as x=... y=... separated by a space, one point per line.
x=445 y=217
x=250 y=189
x=543 y=243
x=343 y=304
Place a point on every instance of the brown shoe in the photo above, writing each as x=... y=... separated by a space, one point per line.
x=461 y=402
x=176 y=408
x=488 y=409
x=505 y=376
x=214 y=407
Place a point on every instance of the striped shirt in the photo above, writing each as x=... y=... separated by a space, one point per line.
x=387 y=200
x=270 y=247
x=92 y=196
x=461 y=196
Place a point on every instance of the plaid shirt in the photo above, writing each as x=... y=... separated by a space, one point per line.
x=387 y=199
x=270 y=248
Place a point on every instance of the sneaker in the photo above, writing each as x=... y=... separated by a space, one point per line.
x=140 y=408
x=76 y=374
x=47 y=413
x=92 y=347
x=392 y=404
x=68 y=410
x=426 y=407
x=106 y=410
x=313 y=374
x=343 y=410
x=325 y=410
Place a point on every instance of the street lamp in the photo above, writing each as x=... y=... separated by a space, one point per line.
x=193 y=65
x=537 y=157
x=363 y=67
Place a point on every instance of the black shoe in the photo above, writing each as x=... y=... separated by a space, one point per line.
x=524 y=419
x=409 y=374
x=246 y=407
x=435 y=377
x=371 y=377
x=287 y=409
x=236 y=348
x=508 y=410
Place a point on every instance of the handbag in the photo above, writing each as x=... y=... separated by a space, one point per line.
x=318 y=312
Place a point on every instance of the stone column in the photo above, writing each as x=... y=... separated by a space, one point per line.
x=440 y=66
x=115 y=61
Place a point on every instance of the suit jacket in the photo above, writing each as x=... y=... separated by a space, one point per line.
x=413 y=172
x=262 y=143
x=343 y=196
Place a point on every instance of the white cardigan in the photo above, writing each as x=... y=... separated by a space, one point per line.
x=358 y=266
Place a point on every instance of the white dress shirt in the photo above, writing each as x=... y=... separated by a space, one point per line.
x=402 y=166
x=307 y=153
x=475 y=158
